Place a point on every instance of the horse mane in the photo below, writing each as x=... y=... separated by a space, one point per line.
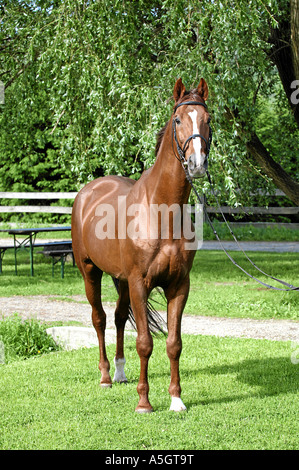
x=192 y=95
x=160 y=136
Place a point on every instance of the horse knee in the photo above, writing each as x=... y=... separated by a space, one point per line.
x=144 y=345
x=174 y=348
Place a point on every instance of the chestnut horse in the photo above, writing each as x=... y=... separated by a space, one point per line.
x=143 y=263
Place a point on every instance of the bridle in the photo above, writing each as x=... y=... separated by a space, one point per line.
x=182 y=151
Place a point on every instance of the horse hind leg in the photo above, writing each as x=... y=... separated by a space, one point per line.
x=121 y=316
x=93 y=278
x=144 y=341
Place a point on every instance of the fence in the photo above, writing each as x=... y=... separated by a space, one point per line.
x=284 y=211
x=37 y=208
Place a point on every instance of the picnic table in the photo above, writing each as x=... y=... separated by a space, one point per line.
x=57 y=248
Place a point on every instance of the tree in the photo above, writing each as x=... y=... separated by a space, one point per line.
x=284 y=52
x=96 y=78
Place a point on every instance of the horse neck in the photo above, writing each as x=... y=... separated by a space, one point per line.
x=168 y=180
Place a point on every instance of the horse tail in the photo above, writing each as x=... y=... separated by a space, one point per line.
x=156 y=323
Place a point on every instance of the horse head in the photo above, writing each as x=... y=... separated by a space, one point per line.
x=191 y=127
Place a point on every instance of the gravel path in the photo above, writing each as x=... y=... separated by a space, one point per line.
x=51 y=308
x=274 y=247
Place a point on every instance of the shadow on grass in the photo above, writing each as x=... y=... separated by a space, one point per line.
x=264 y=378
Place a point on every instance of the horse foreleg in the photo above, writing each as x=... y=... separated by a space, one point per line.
x=144 y=342
x=176 y=298
x=92 y=278
x=121 y=316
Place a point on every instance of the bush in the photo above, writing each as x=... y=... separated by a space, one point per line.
x=24 y=338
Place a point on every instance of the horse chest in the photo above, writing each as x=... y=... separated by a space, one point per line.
x=169 y=262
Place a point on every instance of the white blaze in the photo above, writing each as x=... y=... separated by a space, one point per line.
x=197 y=140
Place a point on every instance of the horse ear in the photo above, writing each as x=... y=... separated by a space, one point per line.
x=179 y=90
x=203 y=89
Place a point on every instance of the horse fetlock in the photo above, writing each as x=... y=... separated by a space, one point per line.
x=104 y=368
x=144 y=405
x=143 y=389
x=119 y=375
x=105 y=380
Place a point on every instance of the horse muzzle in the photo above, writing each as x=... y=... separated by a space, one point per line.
x=197 y=167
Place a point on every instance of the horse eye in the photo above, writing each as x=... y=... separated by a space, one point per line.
x=177 y=120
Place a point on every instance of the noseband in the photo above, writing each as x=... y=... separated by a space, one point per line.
x=182 y=151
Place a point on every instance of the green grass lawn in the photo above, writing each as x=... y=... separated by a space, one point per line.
x=240 y=394
x=218 y=288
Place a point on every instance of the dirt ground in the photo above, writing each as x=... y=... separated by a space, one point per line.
x=76 y=309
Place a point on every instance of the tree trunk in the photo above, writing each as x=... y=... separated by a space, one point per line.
x=272 y=169
x=295 y=35
x=284 y=54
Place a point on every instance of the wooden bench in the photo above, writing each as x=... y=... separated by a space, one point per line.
x=55 y=249
x=58 y=251
x=38 y=199
x=3 y=249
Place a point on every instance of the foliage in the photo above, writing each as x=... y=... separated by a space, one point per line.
x=90 y=82
x=24 y=339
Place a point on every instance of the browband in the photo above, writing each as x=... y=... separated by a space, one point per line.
x=190 y=102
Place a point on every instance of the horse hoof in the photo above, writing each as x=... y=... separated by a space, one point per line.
x=105 y=385
x=144 y=410
x=177 y=405
x=120 y=382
